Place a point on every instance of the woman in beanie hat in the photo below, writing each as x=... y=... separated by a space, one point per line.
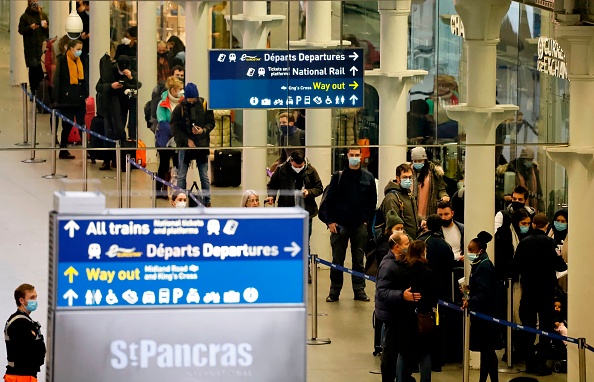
x=428 y=187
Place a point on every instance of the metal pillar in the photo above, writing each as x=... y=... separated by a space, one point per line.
x=32 y=159
x=119 y=173
x=25 y=141
x=52 y=174
x=128 y=182
x=314 y=340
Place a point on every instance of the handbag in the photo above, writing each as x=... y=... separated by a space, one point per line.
x=425 y=322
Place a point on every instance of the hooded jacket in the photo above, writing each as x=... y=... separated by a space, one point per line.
x=181 y=122
x=33 y=38
x=286 y=180
x=163 y=133
x=394 y=195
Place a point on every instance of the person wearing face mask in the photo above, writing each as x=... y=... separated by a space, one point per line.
x=151 y=115
x=482 y=298
x=519 y=200
x=25 y=345
x=536 y=263
x=453 y=231
x=290 y=136
x=347 y=207
x=169 y=101
x=527 y=176
x=558 y=231
x=179 y=199
x=69 y=91
x=34 y=27
x=163 y=70
x=129 y=47
x=398 y=197
x=191 y=124
x=428 y=185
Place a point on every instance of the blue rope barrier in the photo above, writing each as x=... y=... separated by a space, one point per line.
x=458 y=308
x=590 y=348
x=47 y=108
x=163 y=181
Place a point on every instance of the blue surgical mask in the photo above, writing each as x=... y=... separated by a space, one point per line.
x=524 y=229
x=419 y=166
x=77 y=53
x=472 y=257
x=560 y=226
x=354 y=161
x=406 y=183
x=528 y=163
x=32 y=305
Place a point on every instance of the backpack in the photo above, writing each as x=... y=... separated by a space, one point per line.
x=379 y=220
x=322 y=210
x=148 y=117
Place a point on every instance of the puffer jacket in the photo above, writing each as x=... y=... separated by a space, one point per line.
x=285 y=179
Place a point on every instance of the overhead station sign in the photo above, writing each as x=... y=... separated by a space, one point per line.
x=178 y=261
x=274 y=79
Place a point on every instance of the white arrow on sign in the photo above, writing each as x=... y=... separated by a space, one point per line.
x=354 y=70
x=354 y=56
x=70 y=296
x=71 y=227
x=294 y=249
x=353 y=98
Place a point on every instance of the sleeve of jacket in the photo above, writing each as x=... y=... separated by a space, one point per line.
x=316 y=188
x=441 y=187
x=155 y=100
x=326 y=207
x=384 y=293
x=209 y=120
x=518 y=260
x=484 y=289
x=25 y=26
x=389 y=204
x=176 y=125
x=161 y=114
x=371 y=200
x=274 y=184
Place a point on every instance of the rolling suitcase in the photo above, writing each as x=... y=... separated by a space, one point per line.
x=227 y=162
x=90 y=111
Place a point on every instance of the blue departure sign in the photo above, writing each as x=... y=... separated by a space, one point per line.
x=170 y=261
x=275 y=79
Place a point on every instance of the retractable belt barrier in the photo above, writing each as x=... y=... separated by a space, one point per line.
x=163 y=181
x=458 y=308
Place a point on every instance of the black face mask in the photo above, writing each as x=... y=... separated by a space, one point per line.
x=162 y=55
x=446 y=223
x=517 y=205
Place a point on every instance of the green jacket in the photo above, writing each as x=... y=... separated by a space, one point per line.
x=400 y=200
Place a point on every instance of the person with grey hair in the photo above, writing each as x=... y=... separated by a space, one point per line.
x=250 y=198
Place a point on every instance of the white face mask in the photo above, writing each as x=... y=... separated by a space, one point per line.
x=298 y=169
x=397 y=231
x=126 y=41
x=180 y=204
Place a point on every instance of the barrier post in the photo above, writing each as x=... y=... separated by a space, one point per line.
x=128 y=182
x=154 y=190
x=25 y=141
x=84 y=159
x=510 y=304
x=314 y=340
x=582 y=359
x=119 y=173
x=53 y=174
x=34 y=136
x=466 y=355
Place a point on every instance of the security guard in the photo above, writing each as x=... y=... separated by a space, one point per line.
x=25 y=347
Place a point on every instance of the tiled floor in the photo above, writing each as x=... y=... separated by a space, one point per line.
x=26 y=199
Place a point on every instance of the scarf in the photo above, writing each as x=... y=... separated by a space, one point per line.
x=173 y=101
x=75 y=68
x=424 y=194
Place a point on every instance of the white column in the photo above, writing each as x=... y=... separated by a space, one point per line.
x=393 y=82
x=58 y=13
x=99 y=41
x=254 y=25
x=197 y=36
x=147 y=64
x=578 y=159
x=18 y=69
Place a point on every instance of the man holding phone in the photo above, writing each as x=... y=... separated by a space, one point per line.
x=34 y=27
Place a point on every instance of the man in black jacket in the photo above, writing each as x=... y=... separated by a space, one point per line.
x=536 y=263
x=25 y=346
x=34 y=27
x=191 y=124
x=347 y=208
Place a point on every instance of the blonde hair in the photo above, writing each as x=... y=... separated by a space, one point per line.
x=174 y=83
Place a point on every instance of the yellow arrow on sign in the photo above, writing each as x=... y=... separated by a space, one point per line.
x=71 y=272
x=354 y=85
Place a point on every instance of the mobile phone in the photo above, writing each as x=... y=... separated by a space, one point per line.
x=121 y=81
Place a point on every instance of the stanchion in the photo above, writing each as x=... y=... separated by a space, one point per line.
x=84 y=159
x=154 y=190
x=466 y=355
x=25 y=141
x=314 y=340
x=508 y=329
x=53 y=174
x=34 y=137
x=128 y=182
x=119 y=173
x=582 y=359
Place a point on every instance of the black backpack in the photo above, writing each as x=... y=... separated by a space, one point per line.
x=322 y=210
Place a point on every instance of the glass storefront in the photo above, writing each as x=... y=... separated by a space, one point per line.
x=543 y=100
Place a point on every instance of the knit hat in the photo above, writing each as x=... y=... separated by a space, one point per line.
x=418 y=153
x=124 y=62
x=191 y=91
x=392 y=219
x=527 y=153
